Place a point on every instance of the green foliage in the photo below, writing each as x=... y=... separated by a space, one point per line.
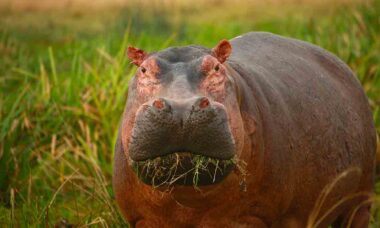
x=64 y=81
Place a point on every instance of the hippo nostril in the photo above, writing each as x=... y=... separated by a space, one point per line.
x=159 y=104
x=204 y=102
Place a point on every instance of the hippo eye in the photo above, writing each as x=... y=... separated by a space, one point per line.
x=216 y=68
x=143 y=70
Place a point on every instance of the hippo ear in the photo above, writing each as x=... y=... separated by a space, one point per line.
x=222 y=51
x=136 y=55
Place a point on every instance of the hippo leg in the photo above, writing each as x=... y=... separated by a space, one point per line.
x=361 y=218
x=143 y=223
x=244 y=222
x=358 y=220
x=251 y=221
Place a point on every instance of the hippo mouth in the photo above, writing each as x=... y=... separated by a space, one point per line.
x=182 y=142
x=183 y=168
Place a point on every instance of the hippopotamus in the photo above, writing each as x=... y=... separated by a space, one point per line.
x=259 y=131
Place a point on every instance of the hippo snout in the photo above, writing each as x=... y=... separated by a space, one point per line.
x=196 y=125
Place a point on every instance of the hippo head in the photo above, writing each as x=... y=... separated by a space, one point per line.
x=182 y=123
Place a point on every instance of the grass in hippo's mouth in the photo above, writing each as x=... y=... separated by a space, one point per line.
x=172 y=168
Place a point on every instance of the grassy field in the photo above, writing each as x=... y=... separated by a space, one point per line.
x=64 y=78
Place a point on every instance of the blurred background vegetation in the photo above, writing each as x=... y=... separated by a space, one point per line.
x=64 y=79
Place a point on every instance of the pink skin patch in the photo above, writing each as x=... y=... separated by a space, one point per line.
x=215 y=78
x=204 y=103
x=147 y=81
x=158 y=104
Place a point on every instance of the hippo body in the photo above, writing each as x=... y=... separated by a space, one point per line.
x=308 y=133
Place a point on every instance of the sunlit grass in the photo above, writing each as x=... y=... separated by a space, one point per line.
x=64 y=81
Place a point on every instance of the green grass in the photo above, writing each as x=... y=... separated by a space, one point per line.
x=64 y=79
x=167 y=170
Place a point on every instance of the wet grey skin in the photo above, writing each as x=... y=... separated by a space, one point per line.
x=181 y=124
